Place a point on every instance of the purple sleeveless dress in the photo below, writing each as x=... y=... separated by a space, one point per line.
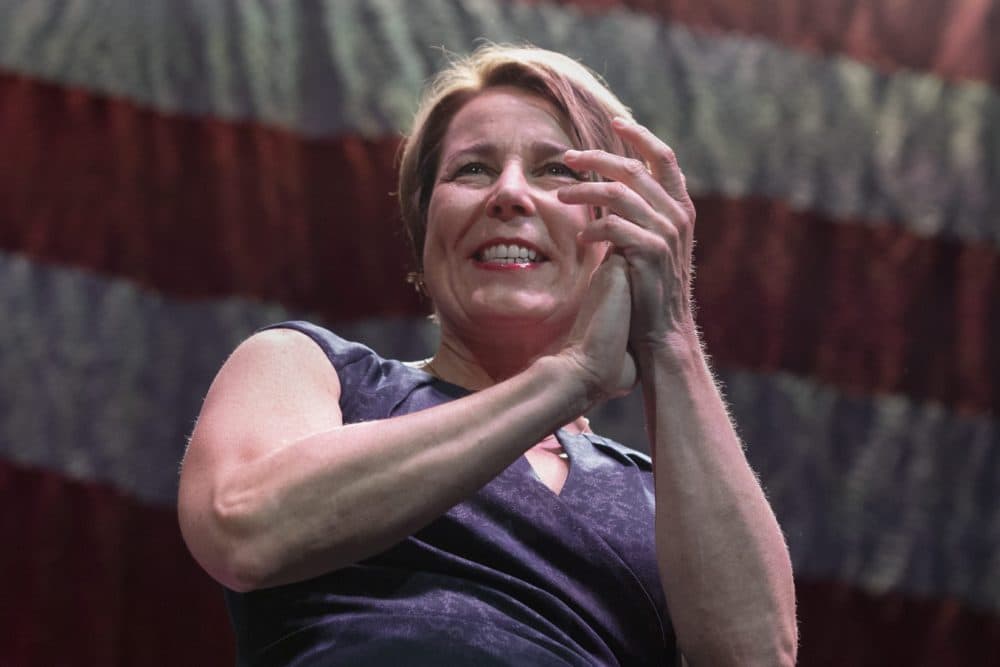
x=513 y=575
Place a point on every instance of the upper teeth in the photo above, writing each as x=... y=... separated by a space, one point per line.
x=501 y=251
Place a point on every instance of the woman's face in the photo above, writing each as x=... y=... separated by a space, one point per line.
x=500 y=248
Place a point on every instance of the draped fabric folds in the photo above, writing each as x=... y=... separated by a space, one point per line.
x=174 y=175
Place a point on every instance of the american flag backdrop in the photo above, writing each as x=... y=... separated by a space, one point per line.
x=177 y=173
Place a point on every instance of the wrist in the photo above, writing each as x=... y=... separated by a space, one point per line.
x=581 y=387
x=677 y=351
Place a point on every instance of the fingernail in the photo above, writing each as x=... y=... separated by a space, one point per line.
x=620 y=121
x=571 y=154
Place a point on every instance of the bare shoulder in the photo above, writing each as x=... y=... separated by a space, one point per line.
x=277 y=387
x=278 y=358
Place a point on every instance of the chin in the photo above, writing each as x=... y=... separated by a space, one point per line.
x=515 y=311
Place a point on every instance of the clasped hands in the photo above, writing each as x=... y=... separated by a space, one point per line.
x=639 y=303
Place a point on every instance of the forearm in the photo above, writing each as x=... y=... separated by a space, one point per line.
x=723 y=561
x=339 y=496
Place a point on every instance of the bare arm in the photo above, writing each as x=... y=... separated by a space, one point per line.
x=722 y=558
x=723 y=562
x=275 y=489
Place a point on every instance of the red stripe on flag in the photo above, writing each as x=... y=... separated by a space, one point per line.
x=954 y=39
x=864 y=307
x=95 y=578
x=198 y=208
x=840 y=625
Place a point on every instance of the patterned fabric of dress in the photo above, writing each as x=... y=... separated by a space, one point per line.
x=513 y=575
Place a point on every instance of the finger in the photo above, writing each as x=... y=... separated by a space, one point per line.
x=631 y=171
x=661 y=158
x=613 y=196
x=627 y=238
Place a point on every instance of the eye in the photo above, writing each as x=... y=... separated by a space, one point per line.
x=559 y=170
x=470 y=169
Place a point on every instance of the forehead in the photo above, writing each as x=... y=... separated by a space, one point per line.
x=506 y=115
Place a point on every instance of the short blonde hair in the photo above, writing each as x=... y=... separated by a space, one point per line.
x=577 y=92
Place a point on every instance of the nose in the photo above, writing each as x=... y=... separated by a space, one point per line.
x=511 y=196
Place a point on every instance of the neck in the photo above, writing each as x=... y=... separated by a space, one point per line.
x=479 y=361
x=482 y=364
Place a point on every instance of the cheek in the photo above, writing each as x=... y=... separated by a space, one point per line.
x=433 y=231
x=444 y=213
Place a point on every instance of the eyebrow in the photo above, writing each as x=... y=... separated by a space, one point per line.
x=539 y=150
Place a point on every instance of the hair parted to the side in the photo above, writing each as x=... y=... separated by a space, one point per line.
x=577 y=92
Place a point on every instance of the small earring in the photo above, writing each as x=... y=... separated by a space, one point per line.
x=416 y=278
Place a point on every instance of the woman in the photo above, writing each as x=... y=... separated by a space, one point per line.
x=364 y=511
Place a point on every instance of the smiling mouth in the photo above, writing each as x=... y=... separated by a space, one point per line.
x=502 y=254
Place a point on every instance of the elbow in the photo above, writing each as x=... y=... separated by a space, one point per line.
x=255 y=553
x=784 y=657
x=783 y=648
x=246 y=539
x=777 y=643
x=246 y=563
x=774 y=644
x=242 y=574
x=786 y=645
x=225 y=536
x=782 y=652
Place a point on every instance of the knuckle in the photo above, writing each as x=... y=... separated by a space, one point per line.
x=667 y=156
x=596 y=225
x=634 y=167
x=659 y=247
x=617 y=192
x=671 y=234
x=611 y=220
x=682 y=212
